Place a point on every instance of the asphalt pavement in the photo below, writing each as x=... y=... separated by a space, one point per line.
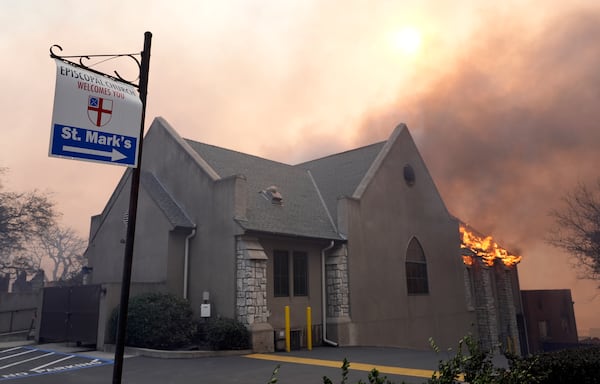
x=68 y=364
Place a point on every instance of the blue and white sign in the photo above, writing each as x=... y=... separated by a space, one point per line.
x=95 y=118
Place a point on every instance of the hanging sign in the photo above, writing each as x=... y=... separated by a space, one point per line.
x=95 y=118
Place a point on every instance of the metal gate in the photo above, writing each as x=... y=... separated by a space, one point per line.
x=70 y=314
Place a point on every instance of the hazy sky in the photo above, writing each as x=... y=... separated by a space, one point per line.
x=503 y=100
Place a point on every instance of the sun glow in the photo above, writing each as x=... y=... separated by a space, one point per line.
x=407 y=40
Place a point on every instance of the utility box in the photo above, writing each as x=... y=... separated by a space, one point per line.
x=204 y=310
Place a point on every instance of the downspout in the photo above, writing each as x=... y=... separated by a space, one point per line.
x=186 y=262
x=324 y=295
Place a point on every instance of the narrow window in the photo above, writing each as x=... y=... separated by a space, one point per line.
x=300 y=274
x=416 y=269
x=281 y=273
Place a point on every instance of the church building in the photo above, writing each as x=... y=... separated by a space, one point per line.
x=361 y=237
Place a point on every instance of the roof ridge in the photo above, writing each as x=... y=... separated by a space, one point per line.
x=343 y=153
x=190 y=141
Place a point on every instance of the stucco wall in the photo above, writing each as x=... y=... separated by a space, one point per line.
x=106 y=245
x=213 y=262
x=106 y=250
x=209 y=204
x=381 y=221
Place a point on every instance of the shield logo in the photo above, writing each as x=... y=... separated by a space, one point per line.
x=99 y=110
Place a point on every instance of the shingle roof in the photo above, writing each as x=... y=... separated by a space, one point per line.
x=174 y=213
x=302 y=212
x=340 y=174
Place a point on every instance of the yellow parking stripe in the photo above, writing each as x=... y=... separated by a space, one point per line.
x=337 y=364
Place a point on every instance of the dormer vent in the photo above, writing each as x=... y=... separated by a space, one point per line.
x=272 y=194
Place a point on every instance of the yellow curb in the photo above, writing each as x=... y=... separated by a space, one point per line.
x=337 y=364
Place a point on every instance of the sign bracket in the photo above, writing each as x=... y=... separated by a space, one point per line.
x=107 y=57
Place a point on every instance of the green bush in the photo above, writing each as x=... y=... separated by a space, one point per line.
x=567 y=366
x=158 y=321
x=227 y=334
x=580 y=365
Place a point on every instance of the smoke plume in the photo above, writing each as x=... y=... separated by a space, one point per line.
x=512 y=125
x=509 y=128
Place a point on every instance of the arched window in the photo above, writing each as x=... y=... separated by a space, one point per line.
x=416 y=269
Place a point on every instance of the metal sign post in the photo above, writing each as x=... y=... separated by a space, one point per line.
x=142 y=86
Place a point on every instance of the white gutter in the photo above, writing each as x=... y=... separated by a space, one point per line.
x=324 y=295
x=186 y=261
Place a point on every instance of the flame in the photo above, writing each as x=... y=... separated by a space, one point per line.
x=486 y=248
x=468 y=260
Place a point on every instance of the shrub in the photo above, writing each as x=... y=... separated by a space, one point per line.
x=227 y=334
x=474 y=366
x=158 y=321
x=580 y=365
x=567 y=366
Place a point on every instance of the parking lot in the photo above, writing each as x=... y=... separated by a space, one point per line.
x=27 y=361
x=70 y=365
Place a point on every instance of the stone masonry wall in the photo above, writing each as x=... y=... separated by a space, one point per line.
x=493 y=298
x=485 y=306
x=468 y=280
x=336 y=269
x=251 y=284
x=509 y=333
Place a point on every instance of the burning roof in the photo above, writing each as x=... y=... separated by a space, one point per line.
x=475 y=245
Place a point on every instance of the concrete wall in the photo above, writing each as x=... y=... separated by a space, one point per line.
x=17 y=310
x=381 y=219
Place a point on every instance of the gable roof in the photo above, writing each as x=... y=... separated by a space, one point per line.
x=302 y=212
x=309 y=190
x=172 y=211
x=340 y=174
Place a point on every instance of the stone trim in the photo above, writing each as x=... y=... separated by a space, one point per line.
x=251 y=283
x=336 y=274
x=494 y=306
x=485 y=306
x=509 y=333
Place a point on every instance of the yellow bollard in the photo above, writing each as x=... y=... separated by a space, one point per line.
x=309 y=328
x=287 y=328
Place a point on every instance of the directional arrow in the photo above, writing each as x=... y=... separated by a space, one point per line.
x=114 y=155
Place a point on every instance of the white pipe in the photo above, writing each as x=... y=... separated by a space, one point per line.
x=324 y=295
x=186 y=262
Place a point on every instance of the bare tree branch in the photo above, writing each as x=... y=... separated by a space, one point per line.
x=23 y=216
x=63 y=248
x=577 y=229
